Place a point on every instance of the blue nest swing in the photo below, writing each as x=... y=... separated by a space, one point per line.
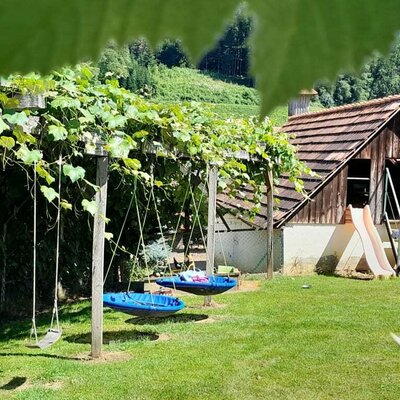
x=214 y=285
x=143 y=304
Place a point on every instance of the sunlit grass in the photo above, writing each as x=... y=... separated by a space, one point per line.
x=282 y=342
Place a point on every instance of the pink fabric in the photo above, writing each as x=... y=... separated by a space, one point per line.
x=198 y=278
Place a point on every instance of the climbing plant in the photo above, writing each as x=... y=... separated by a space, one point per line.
x=81 y=112
x=168 y=146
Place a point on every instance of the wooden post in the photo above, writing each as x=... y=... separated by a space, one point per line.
x=212 y=211
x=270 y=222
x=98 y=256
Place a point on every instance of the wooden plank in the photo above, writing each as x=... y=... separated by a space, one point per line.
x=373 y=176
x=98 y=257
x=380 y=181
x=270 y=223
x=396 y=138
x=341 y=196
x=334 y=219
x=319 y=210
x=212 y=207
x=327 y=203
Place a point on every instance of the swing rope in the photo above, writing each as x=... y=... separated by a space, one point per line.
x=119 y=239
x=196 y=207
x=52 y=335
x=33 y=329
x=55 y=307
x=135 y=260
x=141 y=238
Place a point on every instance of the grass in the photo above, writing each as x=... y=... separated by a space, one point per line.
x=228 y=98
x=282 y=342
x=186 y=84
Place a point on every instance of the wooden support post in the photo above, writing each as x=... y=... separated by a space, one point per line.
x=212 y=211
x=270 y=222
x=98 y=257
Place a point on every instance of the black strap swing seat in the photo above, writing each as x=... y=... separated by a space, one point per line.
x=143 y=304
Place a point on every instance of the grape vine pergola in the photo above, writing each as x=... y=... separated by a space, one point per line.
x=117 y=127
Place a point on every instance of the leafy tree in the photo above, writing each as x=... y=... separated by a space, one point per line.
x=171 y=54
x=231 y=54
x=116 y=62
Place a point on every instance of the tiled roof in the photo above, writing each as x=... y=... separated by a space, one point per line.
x=326 y=140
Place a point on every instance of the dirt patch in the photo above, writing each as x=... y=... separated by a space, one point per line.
x=106 y=356
x=209 y=320
x=163 y=337
x=247 y=286
x=57 y=385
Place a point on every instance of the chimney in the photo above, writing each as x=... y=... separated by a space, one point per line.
x=301 y=104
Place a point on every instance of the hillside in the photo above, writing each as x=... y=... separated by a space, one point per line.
x=230 y=100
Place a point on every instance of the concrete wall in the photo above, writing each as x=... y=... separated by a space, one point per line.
x=308 y=248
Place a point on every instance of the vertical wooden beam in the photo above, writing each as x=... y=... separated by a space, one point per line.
x=98 y=257
x=270 y=222
x=212 y=208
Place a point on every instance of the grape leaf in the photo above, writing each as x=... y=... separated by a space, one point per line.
x=294 y=42
x=16 y=118
x=89 y=206
x=120 y=146
x=132 y=163
x=297 y=42
x=7 y=142
x=49 y=193
x=66 y=205
x=52 y=33
x=74 y=173
x=43 y=173
x=28 y=156
x=3 y=126
x=58 y=132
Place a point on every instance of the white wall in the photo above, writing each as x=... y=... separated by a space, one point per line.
x=306 y=247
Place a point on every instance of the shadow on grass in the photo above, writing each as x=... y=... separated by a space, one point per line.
x=18 y=329
x=44 y=355
x=175 y=319
x=14 y=383
x=114 y=336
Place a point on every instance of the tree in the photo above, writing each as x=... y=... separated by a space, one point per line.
x=171 y=54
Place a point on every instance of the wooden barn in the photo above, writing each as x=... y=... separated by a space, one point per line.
x=351 y=148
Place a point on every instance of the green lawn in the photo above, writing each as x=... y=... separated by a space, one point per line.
x=282 y=342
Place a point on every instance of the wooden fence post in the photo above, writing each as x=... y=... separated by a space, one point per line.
x=98 y=256
x=270 y=222
x=212 y=207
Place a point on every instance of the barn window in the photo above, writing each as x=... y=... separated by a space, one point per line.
x=358 y=182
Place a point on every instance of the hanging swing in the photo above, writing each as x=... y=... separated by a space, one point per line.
x=140 y=304
x=196 y=281
x=54 y=332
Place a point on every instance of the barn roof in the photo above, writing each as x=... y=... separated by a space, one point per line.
x=326 y=141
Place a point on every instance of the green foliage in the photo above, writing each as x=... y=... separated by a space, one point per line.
x=145 y=141
x=236 y=110
x=74 y=173
x=49 y=193
x=230 y=56
x=379 y=77
x=156 y=253
x=89 y=206
x=294 y=44
x=184 y=84
x=129 y=67
x=171 y=54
